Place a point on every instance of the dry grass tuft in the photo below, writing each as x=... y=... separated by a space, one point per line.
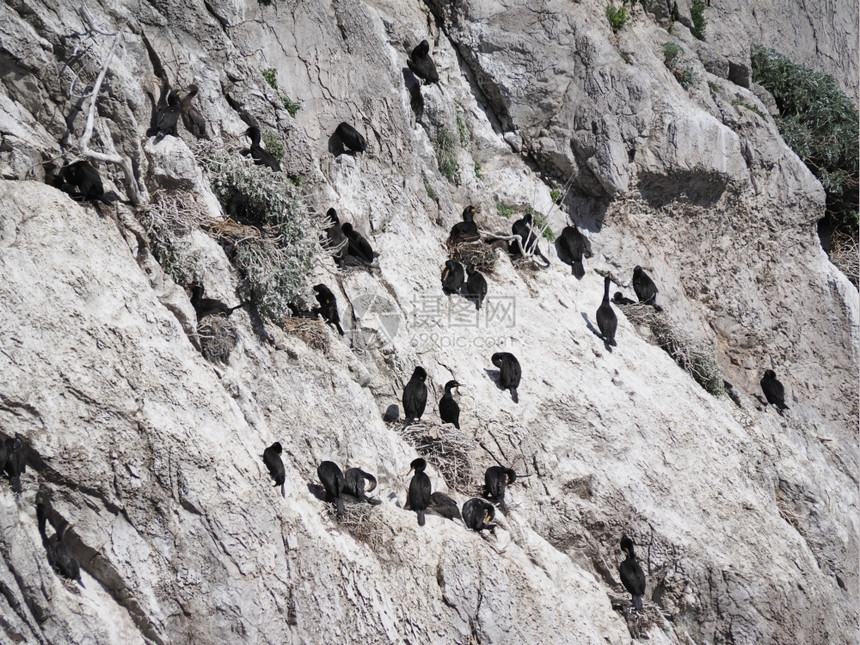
x=447 y=449
x=479 y=254
x=785 y=511
x=846 y=256
x=218 y=337
x=170 y=215
x=310 y=330
x=361 y=522
x=695 y=358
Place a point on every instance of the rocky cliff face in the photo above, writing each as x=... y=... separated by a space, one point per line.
x=746 y=520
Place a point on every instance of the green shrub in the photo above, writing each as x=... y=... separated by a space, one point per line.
x=447 y=148
x=504 y=211
x=170 y=216
x=617 y=17
x=277 y=238
x=555 y=196
x=820 y=123
x=429 y=189
x=291 y=106
x=749 y=106
x=715 y=89
x=478 y=173
x=697 y=15
x=271 y=76
x=685 y=76
x=671 y=51
x=273 y=145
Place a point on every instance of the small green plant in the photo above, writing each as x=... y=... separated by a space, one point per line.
x=463 y=132
x=697 y=15
x=671 y=52
x=427 y=187
x=290 y=106
x=504 y=211
x=539 y=223
x=715 y=89
x=271 y=76
x=686 y=77
x=273 y=238
x=617 y=17
x=750 y=107
x=625 y=57
x=447 y=149
x=820 y=123
x=555 y=196
x=478 y=173
x=273 y=145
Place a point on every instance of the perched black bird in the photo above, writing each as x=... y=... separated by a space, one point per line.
x=477 y=514
x=358 y=247
x=59 y=557
x=191 y=117
x=422 y=65
x=335 y=240
x=333 y=481
x=523 y=228
x=510 y=372
x=443 y=506
x=645 y=288
x=620 y=299
x=272 y=459
x=350 y=137
x=16 y=461
x=773 y=390
x=167 y=117
x=415 y=395
x=449 y=411
x=453 y=277
x=607 y=321
x=358 y=483
x=327 y=306
x=465 y=231
x=209 y=306
x=259 y=154
x=575 y=246
x=495 y=480
x=476 y=286
x=419 y=489
x=84 y=178
x=632 y=576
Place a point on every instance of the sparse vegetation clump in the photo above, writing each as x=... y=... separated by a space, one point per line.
x=271 y=237
x=273 y=145
x=697 y=15
x=271 y=76
x=820 y=123
x=684 y=75
x=504 y=211
x=169 y=216
x=695 y=358
x=617 y=17
x=217 y=337
x=541 y=225
x=749 y=106
x=446 y=145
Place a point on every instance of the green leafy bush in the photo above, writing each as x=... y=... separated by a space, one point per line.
x=290 y=106
x=504 y=211
x=617 y=17
x=749 y=106
x=273 y=238
x=671 y=51
x=273 y=145
x=697 y=15
x=820 y=123
x=271 y=76
x=685 y=76
x=478 y=173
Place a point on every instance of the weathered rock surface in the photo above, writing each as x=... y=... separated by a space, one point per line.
x=746 y=520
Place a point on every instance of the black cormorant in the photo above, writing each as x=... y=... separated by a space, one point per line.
x=773 y=390
x=576 y=246
x=422 y=64
x=259 y=154
x=477 y=514
x=607 y=321
x=16 y=461
x=167 y=117
x=327 y=306
x=191 y=117
x=495 y=480
x=510 y=372
x=335 y=240
x=272 y=459
x=59 y=557
x=333 y=481
x=523 y=228
x=620 y=299
x=632 y=576
x=208 y=306
x=350 y=137
x=645 y=288
x=419 y=489
x=415 y=395
x=443 y=506
x=358 y=245
x=449 y=411
x=85 y=178
x=476 y=286
x=465 y=231
x=358 y=483
x=453 y=277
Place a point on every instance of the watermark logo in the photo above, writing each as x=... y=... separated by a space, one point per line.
x=378 y=318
